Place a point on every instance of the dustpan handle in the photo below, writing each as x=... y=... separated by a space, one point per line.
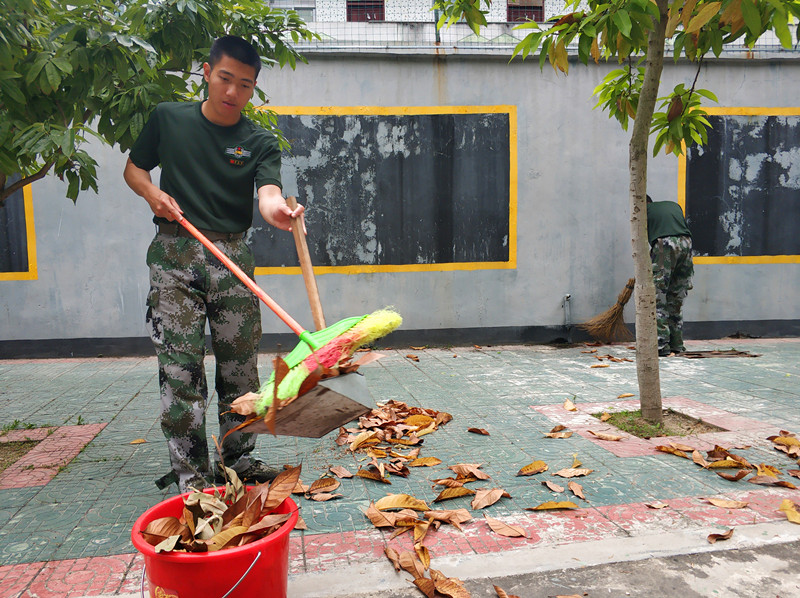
x=250 y=283
x=304 y=257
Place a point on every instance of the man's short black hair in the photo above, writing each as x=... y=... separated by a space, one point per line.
x=236 y=48
x=649 y=199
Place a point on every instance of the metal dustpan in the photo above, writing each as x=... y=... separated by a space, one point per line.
x=332 y=403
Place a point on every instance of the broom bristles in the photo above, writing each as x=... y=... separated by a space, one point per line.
x=610 y=325
x=362 y=331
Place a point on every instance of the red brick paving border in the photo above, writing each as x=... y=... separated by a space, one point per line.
x=737 y=428
x=75 y=578
x=57 y=447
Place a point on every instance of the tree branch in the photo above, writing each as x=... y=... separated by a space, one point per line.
x=6 y=192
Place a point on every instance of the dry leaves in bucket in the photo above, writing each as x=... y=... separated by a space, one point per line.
x=221 y=520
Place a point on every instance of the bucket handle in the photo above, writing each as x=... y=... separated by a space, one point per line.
x=228 y=593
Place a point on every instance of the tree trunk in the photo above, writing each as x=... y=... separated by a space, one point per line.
x=646 y=338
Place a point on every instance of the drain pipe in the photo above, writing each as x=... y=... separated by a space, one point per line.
x=567 y=306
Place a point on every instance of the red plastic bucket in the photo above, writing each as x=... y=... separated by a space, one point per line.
x=260 y=568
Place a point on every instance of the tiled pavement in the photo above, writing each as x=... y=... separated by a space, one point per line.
x=66 y=510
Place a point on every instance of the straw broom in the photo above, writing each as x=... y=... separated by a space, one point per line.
x=609 y=325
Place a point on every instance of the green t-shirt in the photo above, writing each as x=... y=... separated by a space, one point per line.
x=212 y=171
x=665 y=219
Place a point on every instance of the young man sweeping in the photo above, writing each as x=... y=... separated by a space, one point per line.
x=671 y=254
x=211 y=158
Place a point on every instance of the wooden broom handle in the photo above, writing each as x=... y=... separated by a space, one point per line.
x=306 y=267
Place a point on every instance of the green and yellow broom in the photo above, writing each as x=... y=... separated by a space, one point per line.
x=326 y=348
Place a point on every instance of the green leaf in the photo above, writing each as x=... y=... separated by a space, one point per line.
x=36 y=68
x=53 y=76
x=12 y=91
x=752 y=17
x=623 y=21
x=707 y=94
x=781 y=26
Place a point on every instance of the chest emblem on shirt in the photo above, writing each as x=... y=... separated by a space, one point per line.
x=238 y=155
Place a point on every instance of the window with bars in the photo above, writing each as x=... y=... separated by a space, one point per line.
x=306 y=9
x=365 y=10
x=518 y=11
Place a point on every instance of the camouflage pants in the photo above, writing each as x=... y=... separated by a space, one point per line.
x=189 y=286
x=672 y=273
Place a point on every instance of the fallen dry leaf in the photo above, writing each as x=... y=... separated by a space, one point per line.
x=553 y=505
x=324 y=485
x=452 y=587
x=733 y=477
x=401 y=501
x=725 y=464
x=569 y=405
x=469 y=469
x=408 y=560
x=605 y=417
x=698 y=458
x=558 y=434
x=656 y=505
x=727 y=504
x=324 y=496
x=573 y=472
x=412 y=357
x=372 y=474
x=505 y=529
x=485 y=497
x=790 y=510
x=424 y=462
x=449 y=493
x=553 y=486
x=393 y=556
x=625 y=395
x=340 y=472
x=480 y=431
x=603 y=436
x=379 y=518
x=533 y=468
x=454 y=517
x=426 y=586
x=367 y=438
x=715 y=537
x=423 y=554
x=138 y=441
x=576 y=489
x=766 y=480
x=672 y=451
x=501 y=593
x=599 y=365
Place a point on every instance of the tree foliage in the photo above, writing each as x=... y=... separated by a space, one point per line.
x=618 y=30
x=634 y=33
x=72 y=71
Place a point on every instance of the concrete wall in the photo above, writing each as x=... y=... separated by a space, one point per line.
x=573 y=219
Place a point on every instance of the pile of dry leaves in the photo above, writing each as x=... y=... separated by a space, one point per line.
x=217 y=521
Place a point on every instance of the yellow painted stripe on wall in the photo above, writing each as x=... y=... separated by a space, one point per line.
x=30 y=233
x=736 y=111
x=511 y=264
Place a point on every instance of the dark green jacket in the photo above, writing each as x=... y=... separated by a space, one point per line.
x=665 y=219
